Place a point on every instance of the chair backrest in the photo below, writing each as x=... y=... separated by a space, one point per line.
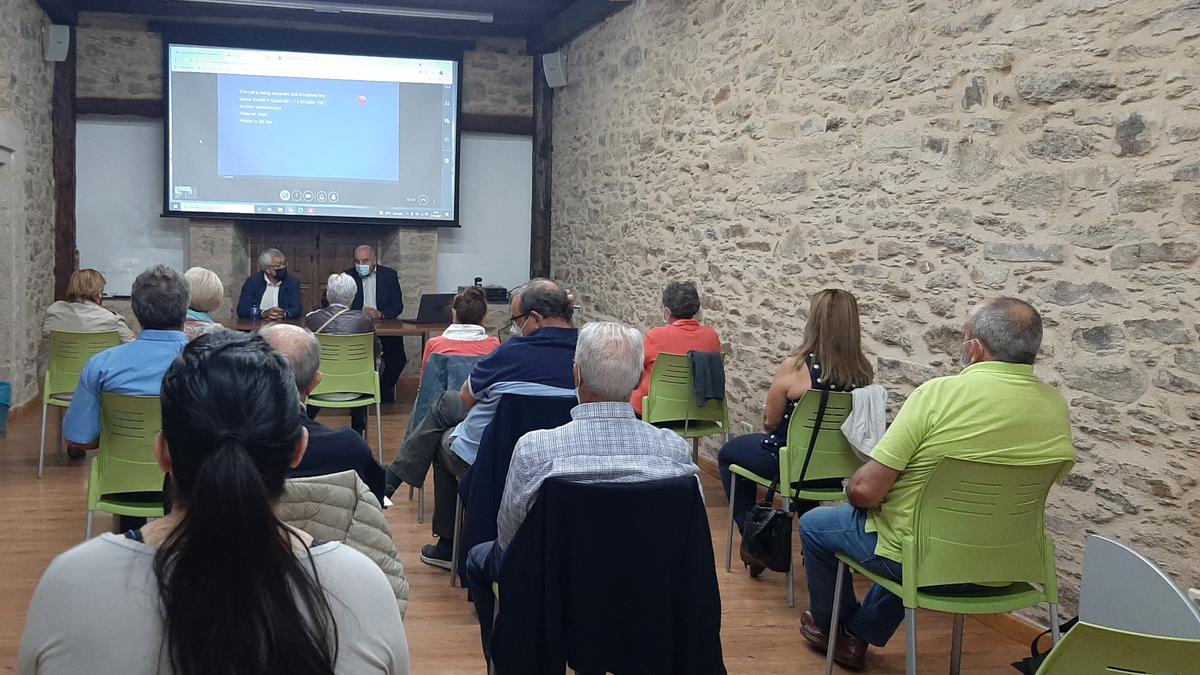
x=1125 y=590
x=347 y=364
x=483 y=485
x=126 y=458
x=1089 y=649
x=673 y=395
x=69 y=353
x=982 y=522
x=443 y=373
x=832 y=455
x=572 y=593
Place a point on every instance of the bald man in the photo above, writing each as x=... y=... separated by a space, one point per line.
x=329 y=450
x=995 y=410
x=379 y=297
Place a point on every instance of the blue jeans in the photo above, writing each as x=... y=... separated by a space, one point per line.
x=483 y=568
x=826 y=531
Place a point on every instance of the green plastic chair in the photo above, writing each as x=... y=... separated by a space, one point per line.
x=833 y=460
x=125 y=477
x=975 y=522
x=671 y=402
x=1088 y=649
x=348 y=367
x=69 y=353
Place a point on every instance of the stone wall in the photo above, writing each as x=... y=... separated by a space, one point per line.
x=923 y=155
x=26 y=194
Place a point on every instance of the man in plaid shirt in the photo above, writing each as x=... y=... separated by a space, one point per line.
x=604 y=443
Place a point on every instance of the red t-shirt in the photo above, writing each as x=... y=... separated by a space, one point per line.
x=678 y=337
x=447 y=344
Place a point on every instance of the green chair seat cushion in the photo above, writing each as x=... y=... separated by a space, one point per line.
x=750 y=475
x=977 y=600
x=692 y=429
x=62 y=398
x=148 y=505
x=322 y=401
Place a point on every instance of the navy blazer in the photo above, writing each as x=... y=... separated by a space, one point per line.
x=289 y=295
x=388 y=298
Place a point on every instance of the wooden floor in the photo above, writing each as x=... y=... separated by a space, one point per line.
x=760 y=633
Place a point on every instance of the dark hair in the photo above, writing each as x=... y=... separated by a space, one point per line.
x=546 y=298
x=470 y=305
x=160 y=298
x=682 y=298
x=235 y=596
x=1010 y=328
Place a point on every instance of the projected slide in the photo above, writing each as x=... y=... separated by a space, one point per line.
x=291 y=134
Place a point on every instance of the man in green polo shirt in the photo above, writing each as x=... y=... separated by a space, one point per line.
x=995 y=410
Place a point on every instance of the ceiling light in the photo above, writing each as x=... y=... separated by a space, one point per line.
x=343 y=8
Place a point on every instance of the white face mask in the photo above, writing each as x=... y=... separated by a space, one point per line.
x=363 y=270
x=514 y=330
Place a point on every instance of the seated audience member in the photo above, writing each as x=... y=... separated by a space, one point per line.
x=830 y=357
x=996 y=410
x=276 y=293
x=81 y=312
x=604 y=443
x=329 y=451
x=379 y=296
x=206 y=293
x=160 y=299
x=465 y=336
x=681 y=334
x=536 y=361
x=338 y=319
x=220 y=584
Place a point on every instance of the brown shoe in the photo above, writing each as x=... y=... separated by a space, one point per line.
x=849 y=652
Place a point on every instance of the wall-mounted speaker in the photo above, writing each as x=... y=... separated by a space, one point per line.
x=56 y=42
x=554 y=65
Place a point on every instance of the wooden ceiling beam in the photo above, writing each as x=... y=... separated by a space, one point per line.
x=60 y=11
x=570 y=23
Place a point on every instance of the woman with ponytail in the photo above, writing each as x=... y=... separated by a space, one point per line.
x=220 y=585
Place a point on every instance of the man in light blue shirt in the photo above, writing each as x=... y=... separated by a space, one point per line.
x=160 y=303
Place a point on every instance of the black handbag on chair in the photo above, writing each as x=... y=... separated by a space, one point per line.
x=767 y=533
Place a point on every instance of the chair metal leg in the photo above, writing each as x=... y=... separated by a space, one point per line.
x=458 y=516
x=87 y=532
x=695 y=449
x=956 y=645
x=910 y=652
x=421 y=505
x=834 y=625
x=791 y=573
x=410 y=492
x=732 y=525
x=1055 y=635
x=42 y=446
x=379 y=429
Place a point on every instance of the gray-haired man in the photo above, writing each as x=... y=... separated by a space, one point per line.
x=276 y=294
x=603 y=443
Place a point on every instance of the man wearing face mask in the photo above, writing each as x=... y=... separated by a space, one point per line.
x=275 y=292
x=679 y=334
x=995 y=410
x=537 y=360
x=379 y=297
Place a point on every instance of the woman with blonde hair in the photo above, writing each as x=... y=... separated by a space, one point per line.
x=831 y=358
x=82 y=312
x=206 y=292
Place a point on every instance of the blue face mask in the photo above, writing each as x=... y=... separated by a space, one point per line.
x=363 y=270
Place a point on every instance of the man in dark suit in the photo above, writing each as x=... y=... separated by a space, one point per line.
x=379 y=297
x=276 y=294
x=329 y=450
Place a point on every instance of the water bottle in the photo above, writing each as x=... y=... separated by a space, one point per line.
x=255 y=313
